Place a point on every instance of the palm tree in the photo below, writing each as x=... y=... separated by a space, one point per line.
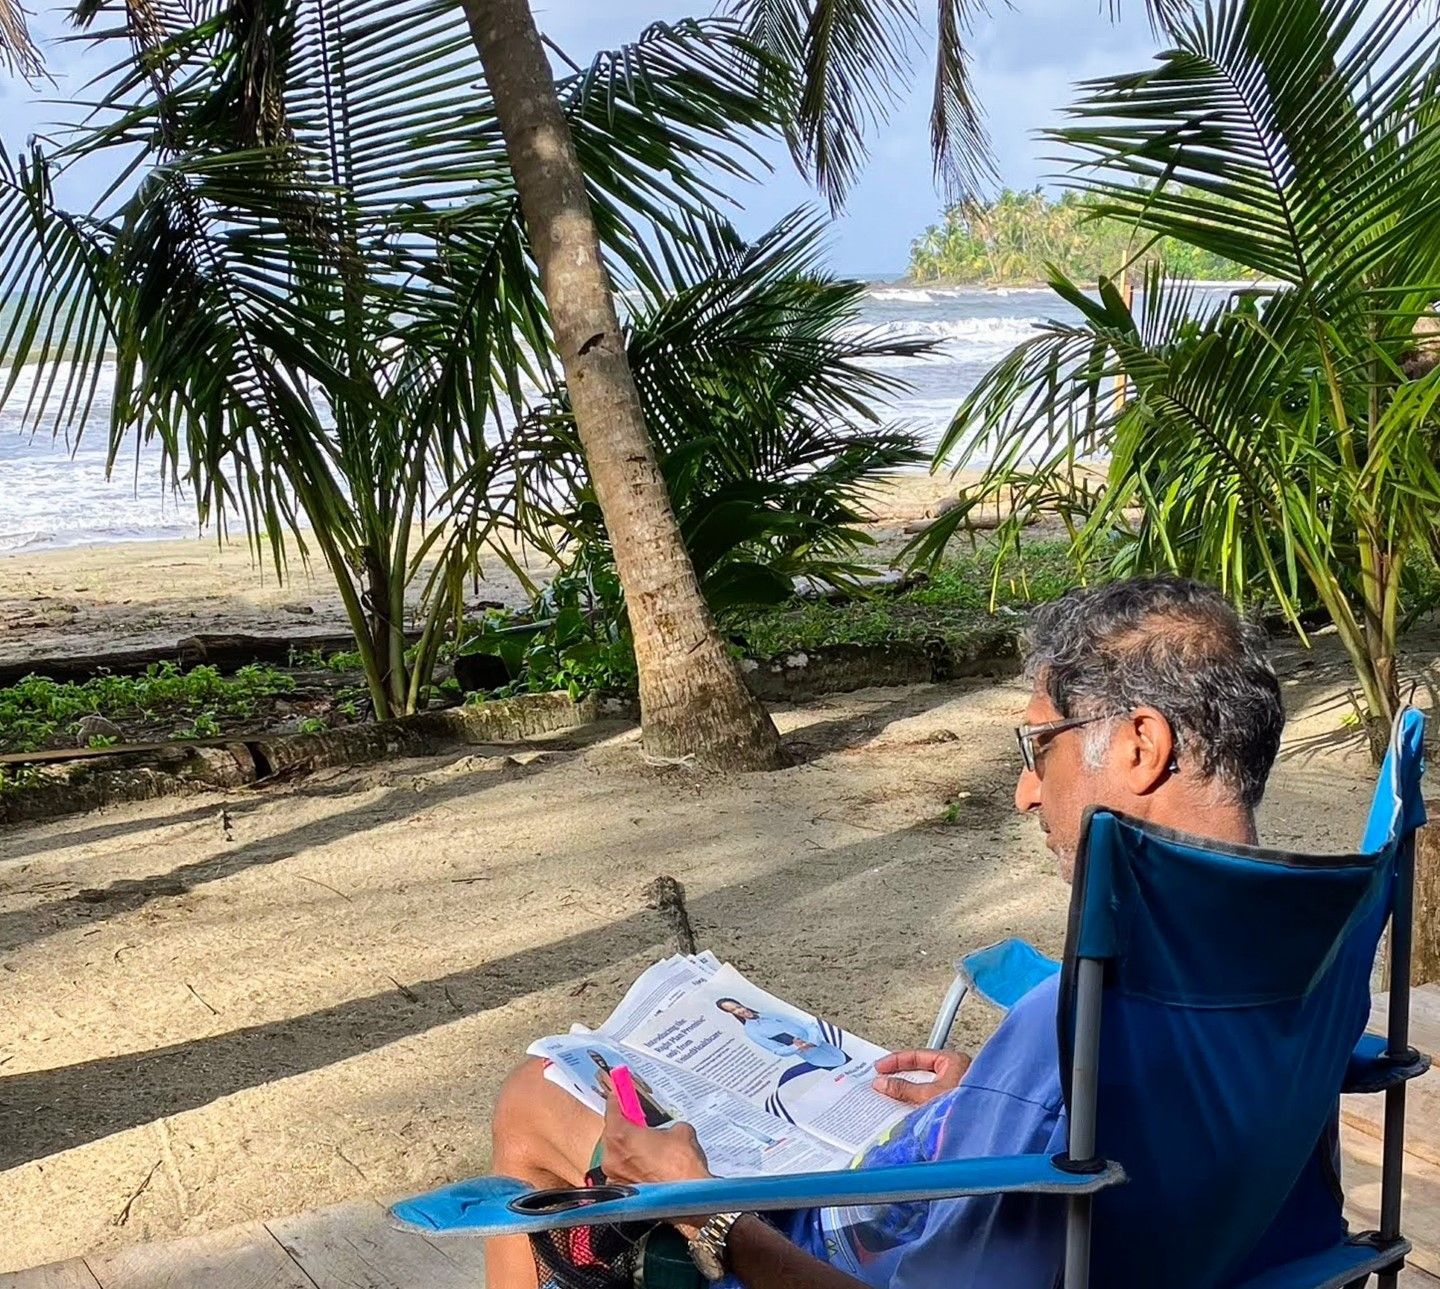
x=318 y=296
x=831 y=68
x=693 y=700
x=1281 y=440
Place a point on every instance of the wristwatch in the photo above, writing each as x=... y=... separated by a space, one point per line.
x=707 y=1247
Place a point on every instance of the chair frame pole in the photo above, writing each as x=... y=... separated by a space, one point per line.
x=1084 y=1096
x=1397 y=1043
x=949 y=1009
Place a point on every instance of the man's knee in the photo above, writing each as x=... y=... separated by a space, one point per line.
x=517 y=1131
x=540 y=1133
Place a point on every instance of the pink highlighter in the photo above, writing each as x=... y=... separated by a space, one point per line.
x=625 y=1094
x=624 y=1084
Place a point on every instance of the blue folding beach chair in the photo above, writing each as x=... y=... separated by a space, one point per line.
x=1213 y=1002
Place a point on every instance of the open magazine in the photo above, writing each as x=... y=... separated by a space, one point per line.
x=767 y=1087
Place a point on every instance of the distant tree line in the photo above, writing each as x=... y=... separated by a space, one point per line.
x=1010 y=242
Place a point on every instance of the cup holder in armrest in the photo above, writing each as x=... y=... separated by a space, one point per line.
x=565 y=1199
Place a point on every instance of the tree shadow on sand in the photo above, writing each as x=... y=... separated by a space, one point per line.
x=88 y=906
x=45 y=1111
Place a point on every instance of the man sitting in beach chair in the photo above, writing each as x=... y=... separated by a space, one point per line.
x=1150 y=698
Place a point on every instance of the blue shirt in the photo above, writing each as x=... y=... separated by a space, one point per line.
x=778 y=1034
x=1009 y=1103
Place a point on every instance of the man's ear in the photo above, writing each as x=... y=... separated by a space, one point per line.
x=1148 y=745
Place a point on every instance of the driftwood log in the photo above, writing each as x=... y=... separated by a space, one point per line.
x=105 y=776
x=667 y=896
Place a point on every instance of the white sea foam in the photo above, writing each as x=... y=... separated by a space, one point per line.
x=940 y=295
x=903 y=294
x=29 y=538
x=999 y=332
x=56 y=495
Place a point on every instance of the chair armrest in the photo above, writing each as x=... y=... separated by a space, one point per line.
x=1001 y=973
x=484 y=1205
x=1004 y=973
x=1371 y=1070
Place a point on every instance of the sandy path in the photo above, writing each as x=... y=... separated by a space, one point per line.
x=321 y=1004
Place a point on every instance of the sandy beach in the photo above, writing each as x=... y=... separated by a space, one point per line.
x=139 y=595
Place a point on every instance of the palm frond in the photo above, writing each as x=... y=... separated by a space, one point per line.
x=837 y=70
x=958 y=140
x=758 y=389
x=18 y=52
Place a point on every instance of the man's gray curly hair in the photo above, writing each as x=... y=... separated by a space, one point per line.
x=1175 y=645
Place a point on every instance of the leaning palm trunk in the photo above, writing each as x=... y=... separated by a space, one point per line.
x=692 y=697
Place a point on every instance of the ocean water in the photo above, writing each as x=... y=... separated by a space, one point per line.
x=972 y=330
x=54 y=491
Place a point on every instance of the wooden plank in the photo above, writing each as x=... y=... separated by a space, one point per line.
x=58 y=1275
x=243 y=1257
x=1420 y=1204
x=1414 y=1278
x=1422 y=1102
x=356 y=1245
x=467 y=1254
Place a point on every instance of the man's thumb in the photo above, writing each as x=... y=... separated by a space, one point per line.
x=614 y=1115
x=902 y=1090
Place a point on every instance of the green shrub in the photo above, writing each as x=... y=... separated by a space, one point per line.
x=37 y=711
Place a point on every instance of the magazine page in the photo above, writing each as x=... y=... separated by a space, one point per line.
x=657 y=988
x=739 y=1140
x=733 y=1035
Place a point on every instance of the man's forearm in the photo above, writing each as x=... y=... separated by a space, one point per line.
x=761 y=1258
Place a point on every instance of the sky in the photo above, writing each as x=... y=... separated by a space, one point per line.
x=1026 y=60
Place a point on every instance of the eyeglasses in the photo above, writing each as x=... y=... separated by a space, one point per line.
x=1026 y=735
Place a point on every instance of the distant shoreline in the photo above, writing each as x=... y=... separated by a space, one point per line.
x=946 y=284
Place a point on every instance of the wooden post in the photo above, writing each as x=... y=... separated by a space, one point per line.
x=1425 y=959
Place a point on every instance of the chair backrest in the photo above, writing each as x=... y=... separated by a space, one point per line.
x=1236 y=983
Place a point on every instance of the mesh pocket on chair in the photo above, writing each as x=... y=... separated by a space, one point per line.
x=591 y=1257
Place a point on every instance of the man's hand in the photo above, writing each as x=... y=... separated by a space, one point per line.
x=756 y=1254
x=947 y=1067
x=801 y=1045
x=632 y=1153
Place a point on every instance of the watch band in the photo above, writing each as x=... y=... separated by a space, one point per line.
x=707 y=1247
